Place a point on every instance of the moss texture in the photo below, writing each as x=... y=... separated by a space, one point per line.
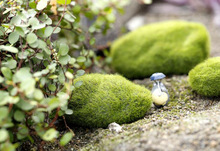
x=205 y=77
x=103 y=99
x=172 y=47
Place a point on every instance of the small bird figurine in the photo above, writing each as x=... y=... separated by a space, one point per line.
x=159 y=92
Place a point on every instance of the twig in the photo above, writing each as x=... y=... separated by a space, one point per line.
x=67 y=125
x=64 y=10
x=55 y=118
x=22 y=49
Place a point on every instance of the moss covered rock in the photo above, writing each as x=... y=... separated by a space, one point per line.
x=205 y=77
x=172 y=47
x=103 y=99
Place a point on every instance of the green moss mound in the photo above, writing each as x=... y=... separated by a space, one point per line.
x=172 y=47
x=205 y=77
x=103 y=99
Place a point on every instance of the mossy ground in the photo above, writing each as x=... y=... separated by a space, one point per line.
x=184 y=103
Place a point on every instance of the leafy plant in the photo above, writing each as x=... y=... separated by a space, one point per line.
x=36 y=70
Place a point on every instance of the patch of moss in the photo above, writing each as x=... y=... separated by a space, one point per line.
x=205 y=77
x=181 y=105
x=172 y=47
x=103 y=99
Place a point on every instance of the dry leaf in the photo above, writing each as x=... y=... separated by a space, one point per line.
x=53 y=3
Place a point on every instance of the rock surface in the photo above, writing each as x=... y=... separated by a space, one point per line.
x=189 y=122
x=205 y=77
x=172 y=47
x=103 y=99
x=196 y=132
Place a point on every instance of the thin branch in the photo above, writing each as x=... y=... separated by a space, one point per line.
x=55 y=118
x=67 y=125
x=64 y=10
x=22 y=49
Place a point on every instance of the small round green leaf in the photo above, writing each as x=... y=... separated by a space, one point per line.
x=35 y=44
x=33 y=21
x=52 y=87
x=57 y=30
x=147 y=1
x=63 y=49
x=19 y=115
x=53 y=103
x=64 y=59
x=32 y=5
x=38 y=95
x=50 y=134
x=81 y=59
x=13 y=38
x=3 y=112
x=8 y=147
x=69 y=112
x=61 y=78
x=9 y=48
x=14 y=91
x=69 y=18
x=22 y=75
x=2 y=31
x=72 y=61
x=24 y=105
x=6 y=72
x=48 y=31
x=30 y=13
x=82 y=38
x=28 y=86
x=66 y=138
x=4 y=135
x=20 y=31
x=16 y=20
x=80 y=72
x=41 y=4
x=12 y=100
x=53 y=76
x=11 y=64
x=48 y=21
x=69 y=75
x=1 y=79
x=92 y=41
x=39 y=26
x=38 y=117
x=23 y=132
x=31 y=38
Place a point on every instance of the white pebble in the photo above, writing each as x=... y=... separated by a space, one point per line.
x=114 y=127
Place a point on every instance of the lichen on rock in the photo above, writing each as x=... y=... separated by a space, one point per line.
x=205 y=77
x=103 y=99
x=171 y=47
